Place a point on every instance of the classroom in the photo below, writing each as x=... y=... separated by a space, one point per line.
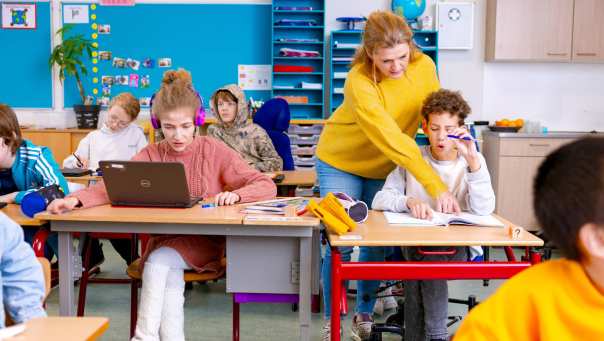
x=242 y=169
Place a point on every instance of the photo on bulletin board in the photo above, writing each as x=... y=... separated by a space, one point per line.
x=19 y=16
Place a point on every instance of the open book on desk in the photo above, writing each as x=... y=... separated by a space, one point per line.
x=442 y=219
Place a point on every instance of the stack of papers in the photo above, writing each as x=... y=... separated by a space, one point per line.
x=276 y=207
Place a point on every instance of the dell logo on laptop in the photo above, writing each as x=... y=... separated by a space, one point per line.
x=145 y=183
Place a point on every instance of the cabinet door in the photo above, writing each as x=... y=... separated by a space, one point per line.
x=58 y=142
x=515 y=190
x=535 y=30
x=588 y=32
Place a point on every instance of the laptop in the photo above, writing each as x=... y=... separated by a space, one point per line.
x=151 y=184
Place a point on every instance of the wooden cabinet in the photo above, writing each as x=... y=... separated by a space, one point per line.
x=588 y=33
x=513 y=164
x=545 y=30
x=58 y=141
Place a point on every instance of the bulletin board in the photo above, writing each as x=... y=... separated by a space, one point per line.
x=26 y=76
x=209 y=40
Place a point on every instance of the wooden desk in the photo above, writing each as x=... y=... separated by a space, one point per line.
x=13 y=211
x=377 y=232
x=63 y=329
x=247 y=250
x=298 y=178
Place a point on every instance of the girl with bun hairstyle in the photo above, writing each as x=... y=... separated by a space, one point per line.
x=211 y=167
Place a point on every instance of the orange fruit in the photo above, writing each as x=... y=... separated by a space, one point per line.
x=504 y=123
x=519 y=123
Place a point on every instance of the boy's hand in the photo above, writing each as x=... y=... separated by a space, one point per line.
x=447 y=203
x=59 y=206
x=226 y=198
x=467 y=148
x=419 y=209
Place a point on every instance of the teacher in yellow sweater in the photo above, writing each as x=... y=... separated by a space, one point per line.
x=372 y=132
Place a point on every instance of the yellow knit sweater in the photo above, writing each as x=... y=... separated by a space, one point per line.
x=555 y=300
x=374 y=129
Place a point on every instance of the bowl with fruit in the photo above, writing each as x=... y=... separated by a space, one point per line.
x=507 y=125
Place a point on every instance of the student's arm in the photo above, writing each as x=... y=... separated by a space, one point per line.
x=48 y=172
x=381 y=129
x=271 y=161
x=248 y=183
x=23 y=287
x=481 y=197
x=392 y=196
x=83 y=152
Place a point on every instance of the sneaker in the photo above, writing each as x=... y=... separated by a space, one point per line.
x=326 y=331
x=389 y=302
x=378 y=308
x=361 y=327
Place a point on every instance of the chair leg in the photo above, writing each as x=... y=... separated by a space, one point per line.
x=85 y=275
x=316 y=304
x=344 y=303
x=235 y=319
x=133 y=305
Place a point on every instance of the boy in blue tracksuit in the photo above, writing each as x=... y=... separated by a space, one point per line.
x=21 y=277
x=25 y=167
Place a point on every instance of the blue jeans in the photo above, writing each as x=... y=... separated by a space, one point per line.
x=360 y=188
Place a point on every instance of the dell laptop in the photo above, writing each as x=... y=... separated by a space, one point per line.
x=151 y=184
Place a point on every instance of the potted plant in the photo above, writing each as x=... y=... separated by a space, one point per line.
x=68 y=57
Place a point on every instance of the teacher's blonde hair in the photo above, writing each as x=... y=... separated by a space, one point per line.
x=383 y=30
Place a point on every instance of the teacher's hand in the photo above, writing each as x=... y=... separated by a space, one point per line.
x=447 y=203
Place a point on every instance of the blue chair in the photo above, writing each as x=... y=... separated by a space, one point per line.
x=274 y=117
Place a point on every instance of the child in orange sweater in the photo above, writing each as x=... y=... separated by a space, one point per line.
x=560 y=299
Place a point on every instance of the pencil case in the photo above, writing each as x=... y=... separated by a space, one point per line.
x=332 y=223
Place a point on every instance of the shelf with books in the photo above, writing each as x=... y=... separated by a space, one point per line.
x=298 y=52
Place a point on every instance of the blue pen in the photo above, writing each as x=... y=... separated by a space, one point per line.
x=467 y=138
x=208 y=205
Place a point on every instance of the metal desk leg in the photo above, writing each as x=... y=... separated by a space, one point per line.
x=305 y=284
x=336 y=295
x=66 y=295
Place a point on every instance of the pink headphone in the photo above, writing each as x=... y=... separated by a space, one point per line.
x=200 y=114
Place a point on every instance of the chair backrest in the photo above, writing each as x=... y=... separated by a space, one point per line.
x=274 y=117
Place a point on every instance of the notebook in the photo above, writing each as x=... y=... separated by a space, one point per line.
x=442 y=219
x=152 y=184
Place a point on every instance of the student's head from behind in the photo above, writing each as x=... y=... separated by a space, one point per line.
x=175 y=105
x=387 y=47
x=10 y=135
x=568 y=197
x=124 y=109
x=443 y=111
x=226 y=106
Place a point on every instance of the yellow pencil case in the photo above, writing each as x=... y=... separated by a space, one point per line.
x=332 y=223
x=333 y=205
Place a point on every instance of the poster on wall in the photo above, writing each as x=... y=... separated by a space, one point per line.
x=75 y=14
x=254 y=77
x=19 y=16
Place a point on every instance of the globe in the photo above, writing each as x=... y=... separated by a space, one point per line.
x=410 y=9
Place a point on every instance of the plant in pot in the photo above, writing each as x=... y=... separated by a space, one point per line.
x=68 y=56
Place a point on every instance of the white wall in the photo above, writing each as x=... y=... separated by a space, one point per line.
x=562 y=96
